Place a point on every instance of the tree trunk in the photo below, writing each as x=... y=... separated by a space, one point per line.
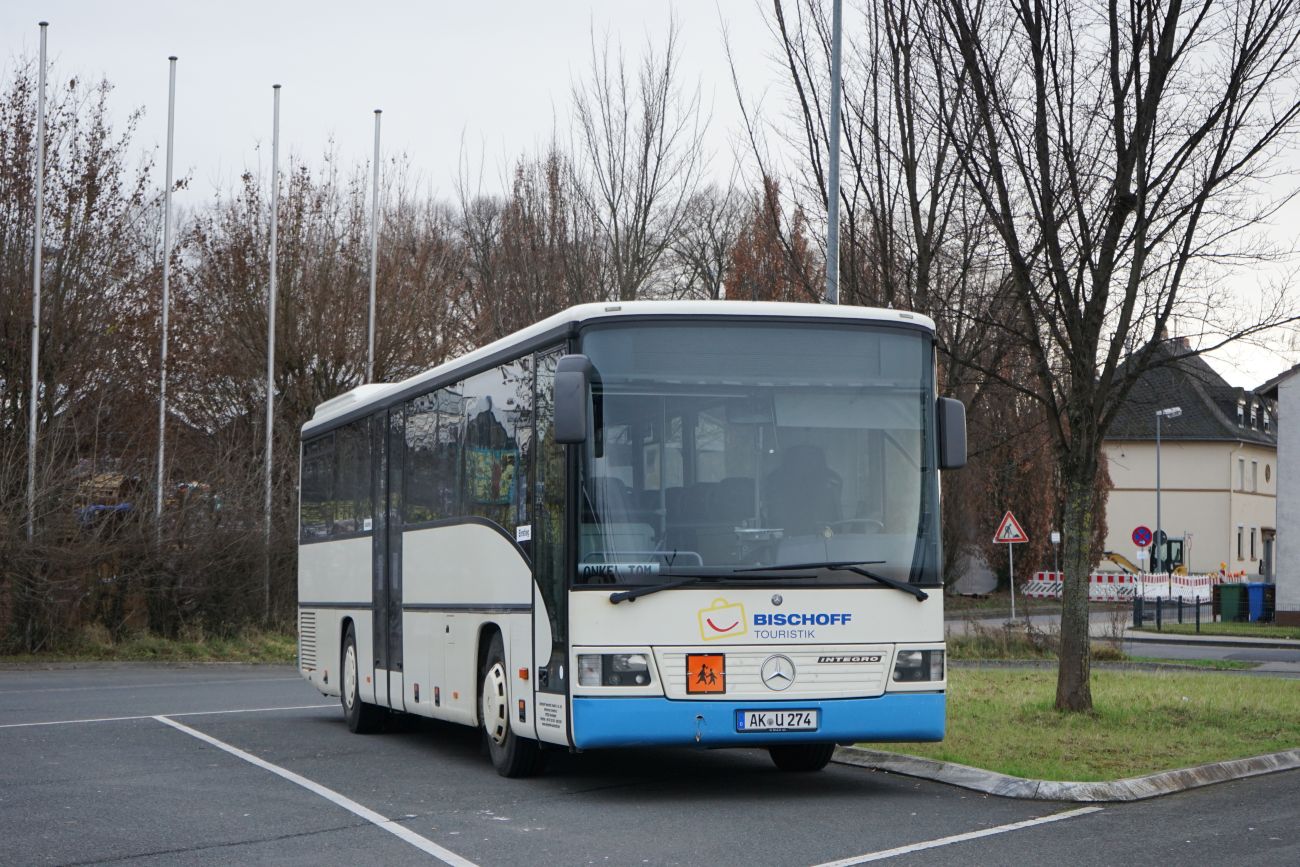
x=1073 y=681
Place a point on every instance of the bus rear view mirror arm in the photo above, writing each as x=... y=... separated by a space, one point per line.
x=952 y=433
x=574 y=375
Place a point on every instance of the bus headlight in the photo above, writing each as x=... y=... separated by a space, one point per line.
x=912 y=666
x=613 y=669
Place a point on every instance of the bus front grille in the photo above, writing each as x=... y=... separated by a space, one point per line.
x=819 y=672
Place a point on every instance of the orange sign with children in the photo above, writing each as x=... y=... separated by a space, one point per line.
x=706 y=672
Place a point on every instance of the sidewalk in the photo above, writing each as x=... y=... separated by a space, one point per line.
x=1151 y=635
x=1119 y=624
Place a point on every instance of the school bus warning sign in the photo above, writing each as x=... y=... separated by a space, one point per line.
x=706 y=672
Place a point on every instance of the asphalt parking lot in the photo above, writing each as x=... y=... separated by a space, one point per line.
x=244 y=764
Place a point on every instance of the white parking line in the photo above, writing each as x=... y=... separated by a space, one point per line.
x=959 y=838
x=175 y=683
x=378 y=820
x=68 y=722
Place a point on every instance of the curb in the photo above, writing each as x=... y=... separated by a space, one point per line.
x=1210 y=641
x=1005 y=786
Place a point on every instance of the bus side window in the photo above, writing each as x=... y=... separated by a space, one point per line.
x=444 y=475
x=498 y=426
x=548 y=517
x=353 y=508
x=421 y=477
x=317 y=494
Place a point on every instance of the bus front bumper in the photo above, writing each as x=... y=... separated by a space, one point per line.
x=650 y=721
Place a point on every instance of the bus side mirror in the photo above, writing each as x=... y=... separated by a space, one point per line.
x=573 y=376
x=952 y=433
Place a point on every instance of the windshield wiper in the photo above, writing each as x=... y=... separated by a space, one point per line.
x=849 y=566
x=637 y=592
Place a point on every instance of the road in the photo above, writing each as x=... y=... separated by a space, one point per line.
x=241 y=764
x=1273 y=661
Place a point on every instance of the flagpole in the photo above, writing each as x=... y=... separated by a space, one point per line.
x=37 y=245
x=270 y=343
x=166 y=296
x=833 y=178
x=374 y=255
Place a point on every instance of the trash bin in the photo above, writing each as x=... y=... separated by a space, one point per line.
x=1255 y=593
x=1233 y=604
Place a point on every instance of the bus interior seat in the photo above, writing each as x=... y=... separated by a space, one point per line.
x=803 y=494
x=608 y=521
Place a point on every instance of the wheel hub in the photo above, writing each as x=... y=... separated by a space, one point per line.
x=350 y=676
x=496 y=718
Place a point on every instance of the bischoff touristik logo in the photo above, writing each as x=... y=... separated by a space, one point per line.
x=797 y=624
x=724 y=619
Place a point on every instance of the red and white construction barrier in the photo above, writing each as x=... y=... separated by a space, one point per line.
x=1187 y=587
x=1120 y=586
x=1102 y=586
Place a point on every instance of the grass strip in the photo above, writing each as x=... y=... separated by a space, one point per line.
x=1213 y=664
x=95 y=645
x=1142 y=723
x=1248 y=630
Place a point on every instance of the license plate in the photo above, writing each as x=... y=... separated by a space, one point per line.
x=776 y=720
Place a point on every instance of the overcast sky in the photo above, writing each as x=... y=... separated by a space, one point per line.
x=475 y=82
x=487 y=80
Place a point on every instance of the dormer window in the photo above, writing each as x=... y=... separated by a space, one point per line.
x=1267 y=426
x=1253 y=416
x=1241 y=413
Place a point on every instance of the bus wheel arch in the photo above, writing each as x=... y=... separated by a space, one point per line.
x=512 y=755
x=361 y=717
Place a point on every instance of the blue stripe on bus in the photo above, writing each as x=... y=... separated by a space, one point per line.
x=652 y=721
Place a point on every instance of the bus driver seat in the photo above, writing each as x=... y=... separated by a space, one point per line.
x=802 y=496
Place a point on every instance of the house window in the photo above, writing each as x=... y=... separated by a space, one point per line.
x=1240 y=531
x=1241 y=414
x=1254 y=476
x=1252 y=544
x=1267 y=419
x=1253 y=415
x=1241 y=474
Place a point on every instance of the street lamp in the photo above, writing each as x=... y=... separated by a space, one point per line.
x=1161 y=546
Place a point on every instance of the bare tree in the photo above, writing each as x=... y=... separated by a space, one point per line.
x=913 y=234
x=772 y=258
x=641 y=143
x=700 y=251
x=1118 y=149
x=98 y=335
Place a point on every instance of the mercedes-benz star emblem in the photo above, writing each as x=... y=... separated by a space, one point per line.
x=776 y=599
x=777 y=672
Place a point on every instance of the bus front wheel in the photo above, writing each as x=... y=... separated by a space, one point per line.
x=512 y=755
x=801 y=757
x=362 y=718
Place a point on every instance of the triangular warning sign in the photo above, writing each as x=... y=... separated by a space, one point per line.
x=1010 y=531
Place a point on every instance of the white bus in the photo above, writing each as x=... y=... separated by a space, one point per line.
x=696 y=523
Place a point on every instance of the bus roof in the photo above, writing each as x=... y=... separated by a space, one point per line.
x=377 y=393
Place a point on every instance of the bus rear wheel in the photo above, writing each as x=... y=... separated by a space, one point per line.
x=363 y=719
x=801 y=757
x=512 y=755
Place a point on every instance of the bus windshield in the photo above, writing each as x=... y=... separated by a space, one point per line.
x=719 y=448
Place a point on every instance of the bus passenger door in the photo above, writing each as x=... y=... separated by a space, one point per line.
x=388 y=431
x=547 y=549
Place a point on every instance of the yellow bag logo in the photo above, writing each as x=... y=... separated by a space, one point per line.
x=722 y=619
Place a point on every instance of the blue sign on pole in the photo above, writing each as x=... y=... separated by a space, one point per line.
x=1142 y=536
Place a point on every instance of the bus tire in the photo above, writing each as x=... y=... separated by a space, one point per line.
x=801 y=757
x=511 y=755
x=363 y=718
